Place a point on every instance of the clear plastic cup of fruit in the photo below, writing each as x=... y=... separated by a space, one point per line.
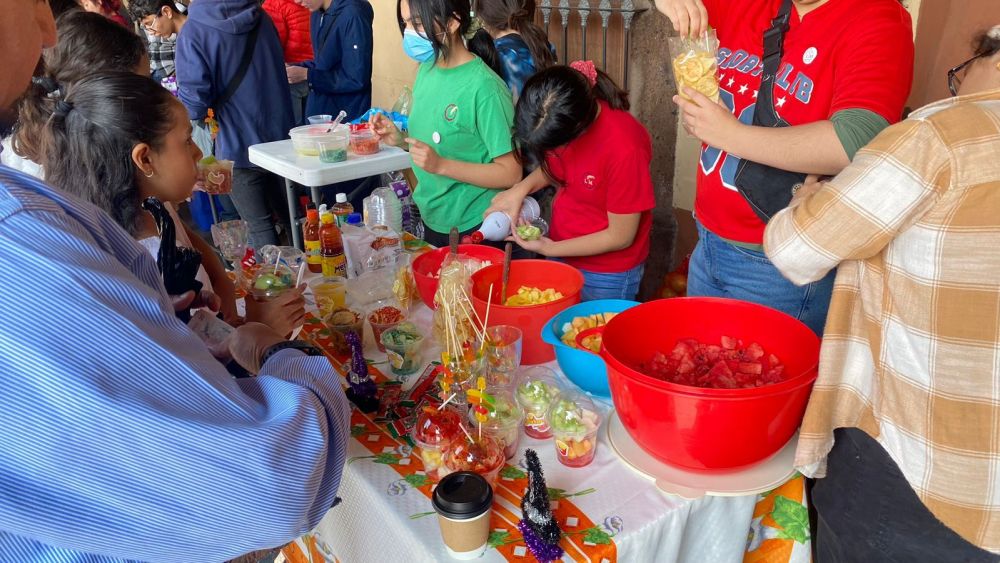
x=402 y=348
x=536 y=389
x=434 y=431
x=482 y=455
x=574 y=420
x=503 y=420
x=271 y=281
x=384 y=316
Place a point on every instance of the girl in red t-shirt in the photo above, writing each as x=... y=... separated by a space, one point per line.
x=574 y=129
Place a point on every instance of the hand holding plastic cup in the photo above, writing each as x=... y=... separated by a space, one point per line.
x=537 y=388
x=574 y=420
x=270 y=282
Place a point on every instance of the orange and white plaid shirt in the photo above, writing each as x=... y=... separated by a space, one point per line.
x=911 y=351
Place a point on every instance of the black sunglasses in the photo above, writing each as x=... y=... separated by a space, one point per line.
x=954 y=79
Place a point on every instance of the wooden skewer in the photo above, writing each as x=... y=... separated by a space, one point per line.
x=507 y=252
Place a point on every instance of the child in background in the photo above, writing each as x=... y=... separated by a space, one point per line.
x=522 y=45
x=460 y=123
x=115 y=139
x=574 y=130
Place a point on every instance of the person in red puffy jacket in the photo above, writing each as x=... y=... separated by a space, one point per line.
x=292 y=21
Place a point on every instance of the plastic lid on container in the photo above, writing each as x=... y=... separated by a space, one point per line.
x=322 y=209
x=326 y=218
x=341 y=198
x=354 y=219
x=435 y=427
x=462 y=496
x=312 y=214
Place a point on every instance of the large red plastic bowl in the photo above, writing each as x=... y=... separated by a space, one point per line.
x=708 y=429
x=542 y=274
x=427 y=266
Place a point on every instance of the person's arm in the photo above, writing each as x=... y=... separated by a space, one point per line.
x=169 y=444
x=221 y=284
x=887 y=188
x=510 y=201
x=689 y=17
x=619 y=235
x=500 y=174
x=194 y=77
x=348 y=62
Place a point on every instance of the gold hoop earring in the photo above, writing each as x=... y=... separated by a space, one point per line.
x=150 y=174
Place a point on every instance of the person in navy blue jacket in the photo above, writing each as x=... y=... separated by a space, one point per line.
x=340 y=75
x=209 y=50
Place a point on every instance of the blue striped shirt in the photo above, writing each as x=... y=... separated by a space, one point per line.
x=122 y=437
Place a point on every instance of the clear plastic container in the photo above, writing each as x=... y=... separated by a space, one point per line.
x=433 y=433
x=306 y=139
x=364 y=142
x=503 y=421
x=402 y=347
x=382 y=207
x=334 y=149
x=269 y=282
x=319 y=119
x=341 y=322
x=384 y=316
x=330 y=294
x=482 y=455
x=536 y=389
x=574 y=420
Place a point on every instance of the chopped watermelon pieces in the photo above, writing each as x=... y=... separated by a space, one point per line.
x=733 y=365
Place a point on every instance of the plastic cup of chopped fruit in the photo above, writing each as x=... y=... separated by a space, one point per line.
x=536 y=390
x=574 y=420
x=482 y=455
x=433 y=432
x=503 y=421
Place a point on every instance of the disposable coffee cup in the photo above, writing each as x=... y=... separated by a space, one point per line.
x=464 y=502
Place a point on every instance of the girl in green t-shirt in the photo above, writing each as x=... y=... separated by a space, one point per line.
x=461 y=120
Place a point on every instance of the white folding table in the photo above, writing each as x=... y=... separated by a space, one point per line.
x=280 y=158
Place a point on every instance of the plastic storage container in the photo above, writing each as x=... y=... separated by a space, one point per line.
x=708 y=429
x=305 y=139
x=364 y=142
x=383 y=208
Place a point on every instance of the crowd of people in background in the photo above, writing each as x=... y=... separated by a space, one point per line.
x=886 y=249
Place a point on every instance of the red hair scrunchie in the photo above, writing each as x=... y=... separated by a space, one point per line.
x=587 y=69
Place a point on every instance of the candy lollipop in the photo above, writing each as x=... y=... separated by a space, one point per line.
x=482 y=403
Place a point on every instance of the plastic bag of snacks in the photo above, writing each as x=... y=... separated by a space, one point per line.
x=404 y=286
x=695 y=65
x=368 y=249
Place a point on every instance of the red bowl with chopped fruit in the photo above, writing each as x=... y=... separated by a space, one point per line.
x=709 y=429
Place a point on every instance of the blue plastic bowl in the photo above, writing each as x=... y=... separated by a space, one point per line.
x=583 y=368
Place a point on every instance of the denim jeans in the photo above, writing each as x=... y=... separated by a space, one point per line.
x=617 y=285
x=253 y=191
x=867 y=511
x=300 y=93
x=720 y=269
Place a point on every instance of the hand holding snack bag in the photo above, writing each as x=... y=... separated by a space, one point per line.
x=695 y=65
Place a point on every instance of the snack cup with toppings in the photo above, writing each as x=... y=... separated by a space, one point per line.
x=503 y=421
x=341 y=322
x=482 y=455
x=402 y=347
x=216 y=176
x=575 y=421
x=384 y=316
x=536 y=390
x=434 y=431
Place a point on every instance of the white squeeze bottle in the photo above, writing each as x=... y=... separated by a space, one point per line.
x=496 y=227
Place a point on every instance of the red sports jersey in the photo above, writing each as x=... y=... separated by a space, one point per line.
x=604 y=170
x=845 y=54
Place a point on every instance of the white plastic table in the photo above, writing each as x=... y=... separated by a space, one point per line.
x=280 y=158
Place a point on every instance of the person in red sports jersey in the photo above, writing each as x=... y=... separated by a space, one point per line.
x=844 y=75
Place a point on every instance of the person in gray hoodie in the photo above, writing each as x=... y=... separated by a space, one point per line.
x=255 y=108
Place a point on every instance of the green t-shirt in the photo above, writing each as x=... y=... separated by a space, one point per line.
x=465 y=113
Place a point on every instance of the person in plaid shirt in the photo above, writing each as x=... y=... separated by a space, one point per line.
x=904 y=420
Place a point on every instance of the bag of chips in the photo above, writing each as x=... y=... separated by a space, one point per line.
x=695 y=65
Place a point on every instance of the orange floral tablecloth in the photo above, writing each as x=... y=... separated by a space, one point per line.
x=607 y=511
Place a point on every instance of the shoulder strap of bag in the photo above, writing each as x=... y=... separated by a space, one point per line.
x=241 y=72
x=774 y=47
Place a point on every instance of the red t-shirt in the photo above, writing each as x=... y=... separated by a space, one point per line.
x=604 y=170
x=846 y=54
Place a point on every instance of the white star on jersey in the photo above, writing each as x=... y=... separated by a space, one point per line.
x=731 y=81
x=781 y=102
x=743 y=89
x=755 y=94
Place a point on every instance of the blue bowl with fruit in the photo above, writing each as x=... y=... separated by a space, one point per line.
x=584 y=368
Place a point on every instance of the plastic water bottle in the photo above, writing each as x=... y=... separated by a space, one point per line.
x=410 y=214
x=383 y=208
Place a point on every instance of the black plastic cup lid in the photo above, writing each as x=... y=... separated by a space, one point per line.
x=462 y=495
